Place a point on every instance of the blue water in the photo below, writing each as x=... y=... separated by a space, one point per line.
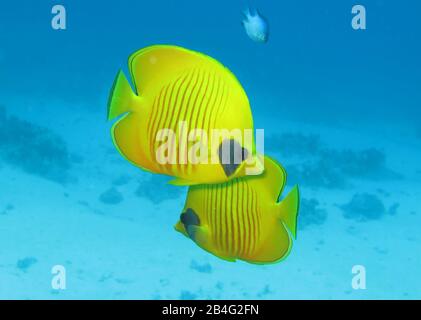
x=341 y=110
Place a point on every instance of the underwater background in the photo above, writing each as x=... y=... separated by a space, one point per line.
x=341 y=110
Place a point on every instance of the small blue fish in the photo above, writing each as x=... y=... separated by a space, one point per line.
x=256 y=26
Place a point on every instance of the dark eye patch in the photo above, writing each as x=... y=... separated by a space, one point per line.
x=231 y=155
x=189 y=218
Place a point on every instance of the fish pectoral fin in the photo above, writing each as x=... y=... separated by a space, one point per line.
x=121 y=97
x=274 y=249
x=288 y=210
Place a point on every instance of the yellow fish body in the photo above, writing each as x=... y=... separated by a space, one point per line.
x=241 y=219
x=173 y=86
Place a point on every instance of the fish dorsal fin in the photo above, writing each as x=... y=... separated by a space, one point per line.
x=272 y=180
x=151 y=66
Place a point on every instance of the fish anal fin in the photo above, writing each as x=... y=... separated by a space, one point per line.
x=274 y=248
x=181 y=182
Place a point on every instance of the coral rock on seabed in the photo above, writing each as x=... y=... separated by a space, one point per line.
x=364 y=207
x=25 y=263
x=311 y=213
x=111 y=196
x=34 y=149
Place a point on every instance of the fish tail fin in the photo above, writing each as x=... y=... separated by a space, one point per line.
x=125 y=132
x=288 y=210
x=121 y=98
x=247 y=12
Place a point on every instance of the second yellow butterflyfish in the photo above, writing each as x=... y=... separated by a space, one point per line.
x=192 y=95
x=242 y=218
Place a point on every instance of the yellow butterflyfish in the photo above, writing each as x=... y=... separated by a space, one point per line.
x=180 y=99
x=242 y=218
